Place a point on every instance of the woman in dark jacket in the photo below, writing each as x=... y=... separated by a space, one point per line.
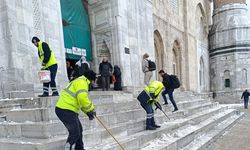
x=118 y=78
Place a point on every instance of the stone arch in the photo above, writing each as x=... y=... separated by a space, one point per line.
x=159 y=50
x=177 y=59
x=202 y=75
x=201 y=21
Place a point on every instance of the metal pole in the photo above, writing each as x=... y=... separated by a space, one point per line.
x=165 y=114
x=109 y=132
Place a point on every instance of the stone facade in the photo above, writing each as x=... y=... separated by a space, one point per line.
x=181 y=40
x=19 y=22
x=123 y=31
x=220 y=3
x=230 y=49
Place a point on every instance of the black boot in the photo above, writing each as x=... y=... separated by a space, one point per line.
x=150 y=128
x=176 y=109
x=153 y=123
x=44 y=95
x=165 y=103
x=55 y=94
x=149 y=124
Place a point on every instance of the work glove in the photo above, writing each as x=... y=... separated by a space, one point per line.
x=158 y=106
x=91 y=114
x=152 y=95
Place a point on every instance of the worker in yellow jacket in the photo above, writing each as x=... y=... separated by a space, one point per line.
x=147 y=98
x=48 y=62
x=72 y=99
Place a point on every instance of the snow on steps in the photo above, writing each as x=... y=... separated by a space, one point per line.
x=116 y=109
x=51 y=128
x=137 y=140
x=189 y=138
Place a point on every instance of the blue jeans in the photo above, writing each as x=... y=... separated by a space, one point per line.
x=246 y=103
x=171 y=97
x=72 y=123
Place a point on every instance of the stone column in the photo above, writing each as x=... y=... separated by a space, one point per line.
x=20 y=21
x=230 y=47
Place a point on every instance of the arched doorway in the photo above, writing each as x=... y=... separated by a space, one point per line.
x=159 y=52
x=176 y=51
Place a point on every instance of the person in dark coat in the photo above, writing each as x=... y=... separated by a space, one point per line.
x=105 y=69
x=81 y=67
x=69 y=69
x=246 y=95
x=168 y=89
x=118 y=78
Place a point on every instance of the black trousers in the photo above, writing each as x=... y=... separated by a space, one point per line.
x=105 y=82
x=52 y=83
x=171 y=97
x=72 y=123
x=246 y=103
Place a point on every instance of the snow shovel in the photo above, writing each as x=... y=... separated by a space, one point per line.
x=109 y=132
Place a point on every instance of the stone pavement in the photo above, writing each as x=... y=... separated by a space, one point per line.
x=237 y=138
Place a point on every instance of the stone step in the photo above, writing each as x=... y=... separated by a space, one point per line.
x=206 y=139
x=54 y=143
x=9 y=107
x=20 y=94
x=102 y=98
x=183 y=137
x=2 y=118
x=172 y=126
x=46 y=114
x=51 y=128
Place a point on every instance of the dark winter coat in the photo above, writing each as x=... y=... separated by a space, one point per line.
x=167 y=82
x=245 y=94
x=118 y=76
x=80 y=70
x=105 y=69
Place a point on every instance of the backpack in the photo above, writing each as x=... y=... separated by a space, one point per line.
x=175 y=82
x=151 y=65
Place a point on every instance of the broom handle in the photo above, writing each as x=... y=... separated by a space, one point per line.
x=165 y=114
x=109 y=132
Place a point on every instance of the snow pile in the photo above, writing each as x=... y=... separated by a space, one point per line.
x=167 y=139
x=164 y=139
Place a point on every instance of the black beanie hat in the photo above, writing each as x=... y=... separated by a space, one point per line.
x=35 y=39
x=90 y=75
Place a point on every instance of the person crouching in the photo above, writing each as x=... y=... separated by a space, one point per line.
x=147 y=98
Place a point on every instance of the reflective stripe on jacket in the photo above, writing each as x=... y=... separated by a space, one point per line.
x=75 y=96
x=52 y=59
x=154 y=87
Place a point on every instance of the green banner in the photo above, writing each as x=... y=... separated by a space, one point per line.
x=76 y=29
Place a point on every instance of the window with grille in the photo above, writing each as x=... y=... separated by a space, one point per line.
x=174 y=4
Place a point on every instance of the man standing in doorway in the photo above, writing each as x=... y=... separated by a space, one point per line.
x=246 y=95
x=105 y=69
x=168 y=89
x=145 y=68
x=48 y=62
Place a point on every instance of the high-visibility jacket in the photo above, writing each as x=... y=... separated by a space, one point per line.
x=75 y=96
x=154 y=87
x=52 y=59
